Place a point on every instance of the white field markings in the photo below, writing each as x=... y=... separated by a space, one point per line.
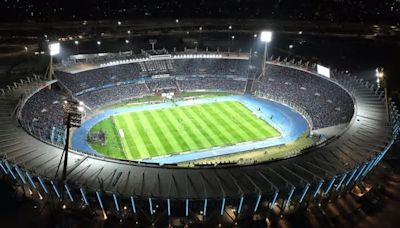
x=135 y=137
x=121 y=133
x=125 y=147
x=151 y=134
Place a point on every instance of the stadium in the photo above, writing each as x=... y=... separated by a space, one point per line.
x=167 y=137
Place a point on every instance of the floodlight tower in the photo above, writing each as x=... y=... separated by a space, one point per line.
x=72 y=118
x=76 y=42
x=54 y=49
x=266 y=37
x=381 y=81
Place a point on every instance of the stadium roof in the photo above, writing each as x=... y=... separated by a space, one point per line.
x=366 y=135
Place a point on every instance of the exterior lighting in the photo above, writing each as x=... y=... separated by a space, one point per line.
x=54 y=49
x=266 y=36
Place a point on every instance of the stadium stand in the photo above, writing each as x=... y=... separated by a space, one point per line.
x=98 y=98
x=326 y=102
x=340 y=163
x=220 y=67
x=322 y=101
x=100 y=77
x=210 y=83
x=159 y=85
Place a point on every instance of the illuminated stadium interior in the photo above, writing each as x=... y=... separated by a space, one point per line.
x=181 y=134
x=178 y=109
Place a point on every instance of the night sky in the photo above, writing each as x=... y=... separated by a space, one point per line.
x=372 y=11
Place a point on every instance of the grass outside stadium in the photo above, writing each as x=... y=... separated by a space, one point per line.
x=162 y=132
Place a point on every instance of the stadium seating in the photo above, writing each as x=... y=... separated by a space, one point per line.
x=206 y=66
x=97 y=78
x=324 y=101
x=114 y=94
x=209 y=83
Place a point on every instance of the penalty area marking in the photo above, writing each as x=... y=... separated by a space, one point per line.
x=121 y=133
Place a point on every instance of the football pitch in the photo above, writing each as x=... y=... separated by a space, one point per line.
x=160 y=132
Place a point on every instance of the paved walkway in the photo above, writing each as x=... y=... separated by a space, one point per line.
x=291 y=125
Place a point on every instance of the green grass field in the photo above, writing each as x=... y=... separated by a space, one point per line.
x=146 y=134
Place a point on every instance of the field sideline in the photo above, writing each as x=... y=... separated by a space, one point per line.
x=153 y=133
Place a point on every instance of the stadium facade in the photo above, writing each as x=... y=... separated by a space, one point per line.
x=156 y=193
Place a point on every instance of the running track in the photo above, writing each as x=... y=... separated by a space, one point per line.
x=290 y=123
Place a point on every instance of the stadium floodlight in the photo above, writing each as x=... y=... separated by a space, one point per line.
x=325 y=71
x=54 y=49
x=266 y=36
x=72 y=118
x=379 y=73
x=381 y=81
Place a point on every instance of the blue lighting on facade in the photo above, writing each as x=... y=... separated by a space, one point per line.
x=84 y=196
x=330 y=185
x=257 y=202
x=30 y=180
x=69 y=193
x=99 y=199
x=2 y=167
x=223 y=206
x=371 y=163
x=205 y=207
x=115 y=202
x=10 y=170
x=303 y=195
x=341 y=181
x=20 y=175
x=55 y=189
x=151 y=206
x=187 y=208
x=359 y=173
x=318 y=188
x=42 y=184
x=351 y=176
x=240 y=204
x=274 y=200
x=133 y=205
x=169 y=207
x=289 y=197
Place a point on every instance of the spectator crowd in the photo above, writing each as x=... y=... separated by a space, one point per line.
x=324 y=101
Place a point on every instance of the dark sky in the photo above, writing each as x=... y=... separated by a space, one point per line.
x=385 y=11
